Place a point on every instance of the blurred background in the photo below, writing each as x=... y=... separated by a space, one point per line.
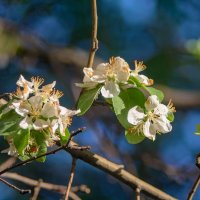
x=51 y=39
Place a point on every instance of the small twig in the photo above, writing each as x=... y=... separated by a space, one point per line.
x=94 y=45
x=46 y=154
x=194 y=188
x=37 y=190
x=44 y=185
x=21 y=191
x=137 y=193
x=198 y=160
x=71 y=177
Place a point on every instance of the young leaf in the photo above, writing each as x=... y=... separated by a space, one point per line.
x=42 y=147
x=133 y=80
x=133 y=138
x=197 y=132
x=170 y=116
x=124 y=102
x=21 y=139
x=64 y=139
x=86 y=99
x=153 y=91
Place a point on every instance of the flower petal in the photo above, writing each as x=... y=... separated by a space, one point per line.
x=26 y=122
x=161 y=109
x=152 y=102
x=49 y=110
x=149 y=130
x=135 y=115
x=162 y=124
x=40 y=124
x=110 y=89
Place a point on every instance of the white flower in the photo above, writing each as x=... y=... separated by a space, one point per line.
x=139 y=66
x=11 y=151
x=34 y=110
x=153 y=121
x=65 y=118
x=110 y=75
x=24 y=89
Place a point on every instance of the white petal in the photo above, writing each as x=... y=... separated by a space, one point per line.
x=149 y=130
x=66 y=112
x=161 y=109
x=26 y=122
x=119 y=63
x=110 y=89
x=135 y=115
x=22 y=81
x=123 y=76
x=49 y=110
x=49 y=87
x=36 y=102
x=143 y=79
x=152 y=102
x=162 y=124
x=40 y=124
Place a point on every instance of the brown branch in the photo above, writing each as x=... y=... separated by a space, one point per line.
x=194 y=188
x=48 y=153
x=71 y=177
x=37 y=190
x=119 y=173
x=94 y=45
x=137 y=194
x=8 y=163
x=21 y=191
x=44 y=185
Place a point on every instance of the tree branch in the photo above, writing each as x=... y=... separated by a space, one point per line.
x=194 y=188
x=21 y=191
x=94 y=45
x=118 y=172
x=44 y=185
x=71 y=177
x=37 y=190
x=48 y=153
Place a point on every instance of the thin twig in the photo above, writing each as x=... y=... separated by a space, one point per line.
x=194 y=188
x=37 y=190
x=71 y=177
x=44 y=185
x=137 y=193
x=21 y=191
x=46 y=154
x=94 y=45
x=9 y=162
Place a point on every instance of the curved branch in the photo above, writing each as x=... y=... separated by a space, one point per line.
x=118 y=172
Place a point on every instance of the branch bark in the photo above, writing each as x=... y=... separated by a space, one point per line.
x=94 y=45
x=71 y=177
x=194 y=188
x=119 y=173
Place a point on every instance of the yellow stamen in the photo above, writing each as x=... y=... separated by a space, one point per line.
x=139 y=66
x=171 y=106
x=57 y=93
x=37 y=81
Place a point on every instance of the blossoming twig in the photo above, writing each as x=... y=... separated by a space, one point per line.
x=46 y=154
x=94 y=45
x=21 y=191
x=37 y=190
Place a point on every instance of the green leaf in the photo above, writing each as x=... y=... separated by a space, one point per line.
x=170 y=116
x=133 y=80
x=7 y=128
x=197 y=132
x=42 y=147
x=64 y=139
x=126 y=100
x=87 y=98
x=134 y=138
x=153 y=91
x=21 y=139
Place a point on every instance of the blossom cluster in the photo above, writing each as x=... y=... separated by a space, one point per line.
x=113 y=76
x=152 y=120
x=39 y=110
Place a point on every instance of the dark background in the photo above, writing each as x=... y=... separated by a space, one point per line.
x=51 y=39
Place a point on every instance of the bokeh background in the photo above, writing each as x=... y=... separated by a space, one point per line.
x=51 y=39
